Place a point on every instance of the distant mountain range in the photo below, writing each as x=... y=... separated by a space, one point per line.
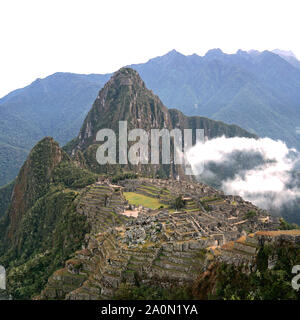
x=259 y=91
x=54 y=106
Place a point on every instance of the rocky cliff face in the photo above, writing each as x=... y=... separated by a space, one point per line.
x=125 y=97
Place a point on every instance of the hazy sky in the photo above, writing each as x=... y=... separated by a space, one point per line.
x=40 y=37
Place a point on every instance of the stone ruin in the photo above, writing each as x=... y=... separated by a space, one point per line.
x=159 y=247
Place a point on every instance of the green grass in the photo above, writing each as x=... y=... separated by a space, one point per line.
x=139 y=199
x=150 y=188
x=210 y=199
x=149 y=191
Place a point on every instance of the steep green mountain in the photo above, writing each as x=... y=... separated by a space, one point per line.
x=54 y=106
x=125 y=97
x=41 y=227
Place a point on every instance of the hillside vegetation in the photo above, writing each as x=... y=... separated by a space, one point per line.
x=42 y=228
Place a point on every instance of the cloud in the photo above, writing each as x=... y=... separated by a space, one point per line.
x=259 y=170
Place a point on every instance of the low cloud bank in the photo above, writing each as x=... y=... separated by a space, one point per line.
x=263 y=171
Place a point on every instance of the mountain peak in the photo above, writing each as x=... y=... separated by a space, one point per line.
x=127 y=72
x=126 y=77
x=286 y=53
x=124 y=97
x=34 y=178
x=171 y=56
x=241 y=52
x=214 y=52
x=288 y=56
x=253 y=52
x=174 y=53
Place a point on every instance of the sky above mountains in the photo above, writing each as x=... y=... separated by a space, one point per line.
x=39 y=38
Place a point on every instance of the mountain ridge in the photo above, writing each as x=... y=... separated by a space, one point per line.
x=257 y=91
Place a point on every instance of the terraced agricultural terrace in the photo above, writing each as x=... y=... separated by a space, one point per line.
x=162 y=245
x=102 y=204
